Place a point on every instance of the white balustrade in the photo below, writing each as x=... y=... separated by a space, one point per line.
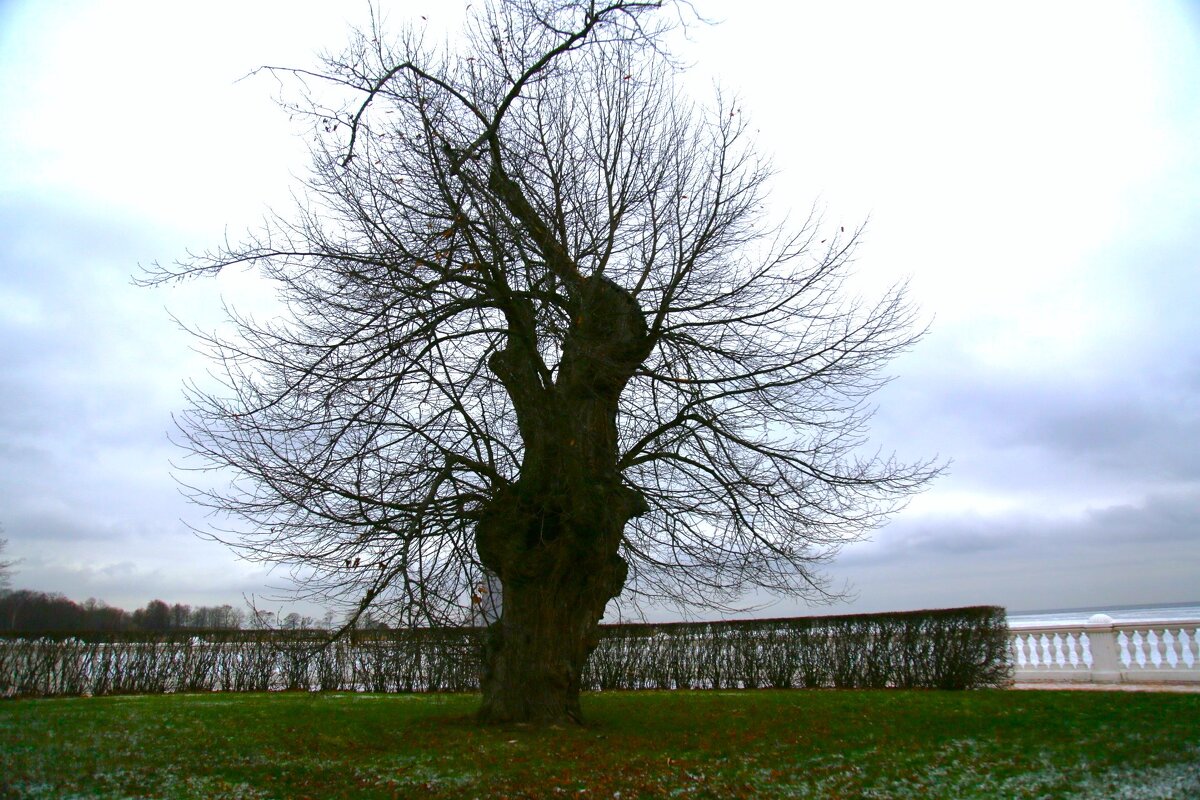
x=1104 y=651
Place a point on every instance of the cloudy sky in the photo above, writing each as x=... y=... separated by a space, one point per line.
x=1032 y=168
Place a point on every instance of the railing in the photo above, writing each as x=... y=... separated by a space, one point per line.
x=1104 y=651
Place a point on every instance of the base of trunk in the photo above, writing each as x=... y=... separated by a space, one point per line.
x=531 y=704
x=534 y=659
x=535 y=654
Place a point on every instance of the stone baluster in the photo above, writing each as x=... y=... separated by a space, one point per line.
x=1170 y=648
x=1186 y=659
x=1074 y=650
x=1127 y=651
x=1059 y=657
x=1019 y=658
x=1106 y=668
x=1137 y=650
x=1161 y=642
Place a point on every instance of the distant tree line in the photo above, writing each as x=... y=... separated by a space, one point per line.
x=35 y=612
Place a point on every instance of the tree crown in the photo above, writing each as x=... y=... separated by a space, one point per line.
x=535 y=214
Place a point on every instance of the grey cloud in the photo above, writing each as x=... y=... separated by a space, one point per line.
x=1125 y=408
x=1123 y=553
x=130 y=584
x=88 y=371
x=1151 y=436
x=1136 y=426
x=41 y=522
x=1158 y=519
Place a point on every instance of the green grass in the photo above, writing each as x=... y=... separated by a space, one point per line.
x=819 y=744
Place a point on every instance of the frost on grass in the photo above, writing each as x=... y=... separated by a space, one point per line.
x=201 y=787
x=415 y=771
x=191 y=787
x=960 y=770
x=1168 y=782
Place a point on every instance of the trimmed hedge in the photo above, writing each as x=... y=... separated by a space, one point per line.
x=945 y=649
x=241 y=661
x=959 y=648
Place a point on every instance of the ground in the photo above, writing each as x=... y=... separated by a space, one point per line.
x=795 y=744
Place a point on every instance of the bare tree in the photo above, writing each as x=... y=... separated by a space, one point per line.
x=539 y=328
x=6 y=567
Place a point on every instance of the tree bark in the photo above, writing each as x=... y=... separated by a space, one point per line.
x=553 y=537
x=554 y=595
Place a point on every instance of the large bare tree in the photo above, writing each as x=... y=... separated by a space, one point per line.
x=539 y=327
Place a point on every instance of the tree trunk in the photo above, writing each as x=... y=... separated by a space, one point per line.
x=553 y=537
x=536 y=653
x=558 y=574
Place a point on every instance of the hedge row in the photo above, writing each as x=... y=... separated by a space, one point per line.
x=947 y=649
x=944 y=649
x=397 y=661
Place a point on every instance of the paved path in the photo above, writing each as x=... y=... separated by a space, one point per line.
x=1183 y=688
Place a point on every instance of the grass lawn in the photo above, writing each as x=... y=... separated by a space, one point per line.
x=819 y=744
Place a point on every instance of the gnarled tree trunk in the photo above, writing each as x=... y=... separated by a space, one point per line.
x=553 y=537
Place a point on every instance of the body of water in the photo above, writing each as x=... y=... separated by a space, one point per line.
x=1075 y=616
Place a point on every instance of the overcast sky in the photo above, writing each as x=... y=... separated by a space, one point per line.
x=1032 y=168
